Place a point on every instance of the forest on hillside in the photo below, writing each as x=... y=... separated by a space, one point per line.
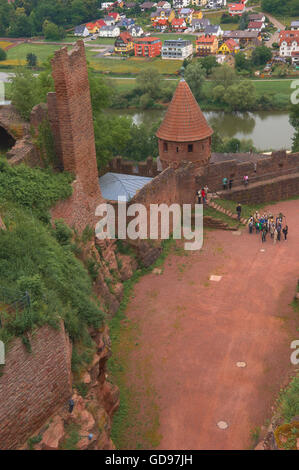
x=25 y=18
x=279 y=7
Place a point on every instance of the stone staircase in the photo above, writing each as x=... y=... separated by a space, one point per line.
x=227 y=212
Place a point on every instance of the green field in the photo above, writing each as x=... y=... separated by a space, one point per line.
x=17 y=55
x=133 y=65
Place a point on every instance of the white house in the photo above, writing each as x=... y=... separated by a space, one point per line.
x=289 y=43
x=81 y=31
x=135 y=31
x=109 y=31
x=164 y=5
x=109 y=20
x=178 y=49
x=214 y=30
x=106 y=5
x=180 y=4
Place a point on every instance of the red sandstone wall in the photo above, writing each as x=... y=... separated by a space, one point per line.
x=75 y=134
x=33 y=385
x=200 y=155
x=279 y=164
x=78 y=211
x=171 y=186
x=266 y=191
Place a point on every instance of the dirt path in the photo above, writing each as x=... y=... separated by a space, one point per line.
x=193 y=332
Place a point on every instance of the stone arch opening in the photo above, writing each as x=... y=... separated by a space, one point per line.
x=6 y=140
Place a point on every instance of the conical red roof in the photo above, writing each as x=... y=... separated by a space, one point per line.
x=184 y=120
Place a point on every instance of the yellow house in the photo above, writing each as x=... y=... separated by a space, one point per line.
x=206 y=44
x=124 y=43
x=196 y=14
x=92 y=28
x=163 y=14
x=228 y=47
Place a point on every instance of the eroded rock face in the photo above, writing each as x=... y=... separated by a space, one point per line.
x=53 y=435
x=92 y=415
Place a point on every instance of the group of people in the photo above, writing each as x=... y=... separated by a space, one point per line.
x=268 y=224
x=228 y=182
x=202 y=195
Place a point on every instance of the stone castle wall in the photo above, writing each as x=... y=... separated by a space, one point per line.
x=276 y=189
x=33 y=385
x=267 y=168
x=72 y=106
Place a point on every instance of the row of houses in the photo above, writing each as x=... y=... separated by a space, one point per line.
x=206 y=44
x=179 y=49
x=109 y=26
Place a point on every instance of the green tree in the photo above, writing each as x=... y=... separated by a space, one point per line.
x=241 y=63
x=224 y=75
x=51 y=31
x=261 y=55
x=195 y=76
x=150 y=82
x=241 y=96
x=294 y=121
x=218 y=93
x=3 y=55
x=209 y=62
x=31 y=59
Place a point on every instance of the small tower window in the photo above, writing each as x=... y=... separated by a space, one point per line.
x=165 y=147
x=177 y=149
x=190 y=147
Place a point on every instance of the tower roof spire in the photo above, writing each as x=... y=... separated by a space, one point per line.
x=184 y=120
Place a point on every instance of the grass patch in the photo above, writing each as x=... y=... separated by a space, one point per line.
x=132 y=65
x=247 y=210
x=17 y=55
x=209 y=211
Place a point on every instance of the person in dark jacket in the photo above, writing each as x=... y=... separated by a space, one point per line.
x=285 y=231
x=239 y=210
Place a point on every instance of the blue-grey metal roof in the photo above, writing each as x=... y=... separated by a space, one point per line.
x=113 y=185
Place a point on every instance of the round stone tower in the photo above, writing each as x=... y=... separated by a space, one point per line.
x=184 y=134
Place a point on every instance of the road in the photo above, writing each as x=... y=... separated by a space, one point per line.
x=278 y=25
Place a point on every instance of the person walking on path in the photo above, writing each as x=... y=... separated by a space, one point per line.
x=203 y=195
x=239 y=210
x=198 y=194
x=278 y=232
x=206 y=191
x=275 y=236
x=250 y=224
x=224 y=182
x=264 y=234
x=230 y=183
x=285 y=231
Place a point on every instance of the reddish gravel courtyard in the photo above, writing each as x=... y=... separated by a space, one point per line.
x=193 y=332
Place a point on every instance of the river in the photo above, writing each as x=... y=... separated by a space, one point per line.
x=267 y=130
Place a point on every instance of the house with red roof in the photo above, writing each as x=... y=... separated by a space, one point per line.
x=147 y=47
x=288 y=43
x=236 y=9
x=230 y=46
x=178 y=24
x=206 y=44
x=124 y=43
x=115 y=16
x=255 y=26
